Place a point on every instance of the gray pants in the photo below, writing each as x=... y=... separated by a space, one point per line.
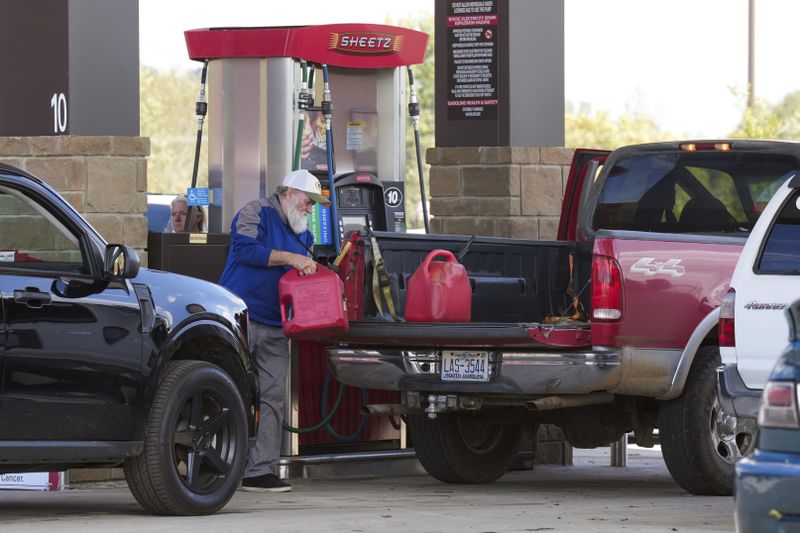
x=270 y=352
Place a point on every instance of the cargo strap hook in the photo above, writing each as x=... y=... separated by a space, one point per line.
x=381 y=284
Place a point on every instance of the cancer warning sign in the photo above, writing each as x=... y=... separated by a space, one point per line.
x=472 y=37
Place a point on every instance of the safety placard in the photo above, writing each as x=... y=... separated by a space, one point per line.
x=197 y=196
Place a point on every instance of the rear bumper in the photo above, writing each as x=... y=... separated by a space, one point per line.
x=734 y=396
x=766 y=488
x=513 y=372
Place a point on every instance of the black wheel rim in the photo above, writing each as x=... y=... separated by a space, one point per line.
x=732 y=438
x=204 y=444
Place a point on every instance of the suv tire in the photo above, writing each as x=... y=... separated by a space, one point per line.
x=195 y=442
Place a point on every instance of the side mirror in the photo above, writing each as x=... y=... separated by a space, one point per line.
x=121 y=261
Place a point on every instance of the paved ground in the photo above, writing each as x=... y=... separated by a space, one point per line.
x=590 y=496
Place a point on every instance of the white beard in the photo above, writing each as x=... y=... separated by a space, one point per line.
x=298 y=220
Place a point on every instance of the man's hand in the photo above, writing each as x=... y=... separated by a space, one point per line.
x=304 y=264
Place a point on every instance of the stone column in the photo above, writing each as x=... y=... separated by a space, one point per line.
x=505 y=191
x=102 y=177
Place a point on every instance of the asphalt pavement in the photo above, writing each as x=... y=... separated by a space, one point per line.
x=590 y=496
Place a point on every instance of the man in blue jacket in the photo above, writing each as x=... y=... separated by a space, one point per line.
x=269 y=236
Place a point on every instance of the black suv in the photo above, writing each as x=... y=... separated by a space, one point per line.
x=104 y=363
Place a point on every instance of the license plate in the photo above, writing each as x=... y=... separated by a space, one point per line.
x=465 y=366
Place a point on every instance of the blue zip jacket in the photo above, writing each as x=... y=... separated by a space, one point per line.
x=258 y=228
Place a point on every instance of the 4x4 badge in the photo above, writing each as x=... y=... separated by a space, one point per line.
x=650 y=267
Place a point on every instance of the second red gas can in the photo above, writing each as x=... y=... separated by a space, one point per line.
x=312 y=305
x=439 y=291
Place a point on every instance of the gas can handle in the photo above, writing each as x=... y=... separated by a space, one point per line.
x=283 y=309
x=286 y=299
x=450 y=258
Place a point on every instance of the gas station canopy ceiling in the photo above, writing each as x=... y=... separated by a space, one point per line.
x=343 y=45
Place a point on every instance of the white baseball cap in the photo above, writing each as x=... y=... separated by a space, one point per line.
x=303 y=180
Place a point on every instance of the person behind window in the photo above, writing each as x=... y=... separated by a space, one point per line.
x=177 y=217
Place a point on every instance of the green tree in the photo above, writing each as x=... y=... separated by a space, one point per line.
x=167 y=116
x=763 y=120
x=424 y=82
x=586 y=129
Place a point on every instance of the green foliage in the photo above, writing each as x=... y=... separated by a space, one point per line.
x=585 y=129
x=167 y=117
x=763 y=120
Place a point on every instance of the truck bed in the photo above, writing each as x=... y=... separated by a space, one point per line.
x=517 y=286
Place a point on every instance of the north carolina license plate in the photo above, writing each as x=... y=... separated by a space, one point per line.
x=465 y=366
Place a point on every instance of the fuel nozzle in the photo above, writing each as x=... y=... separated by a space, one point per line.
x=305 y=100
x=413 y=105
x=327 y=105
x=201 y=106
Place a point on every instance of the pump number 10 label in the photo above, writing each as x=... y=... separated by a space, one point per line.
x=465 y=366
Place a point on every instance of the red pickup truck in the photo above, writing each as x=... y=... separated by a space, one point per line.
x=610 y=329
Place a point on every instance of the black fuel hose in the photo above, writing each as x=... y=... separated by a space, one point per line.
x=413 y=111
x=200 y=109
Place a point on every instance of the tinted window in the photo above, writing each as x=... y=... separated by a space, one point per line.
x=781 y=251
x=689 y=192
x=31 y=238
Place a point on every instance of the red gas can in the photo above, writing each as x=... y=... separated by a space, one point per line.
x=439 y=291
x=312 y=305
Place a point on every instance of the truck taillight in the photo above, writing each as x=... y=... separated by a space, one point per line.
x=727 y=331
x=779 y=405
x=606 y=289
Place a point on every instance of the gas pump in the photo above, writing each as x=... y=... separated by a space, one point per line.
x=263 y=87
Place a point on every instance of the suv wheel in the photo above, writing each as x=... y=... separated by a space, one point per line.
x=195 y=442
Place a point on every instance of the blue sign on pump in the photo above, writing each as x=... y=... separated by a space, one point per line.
x=197 y=196
x=319 y=224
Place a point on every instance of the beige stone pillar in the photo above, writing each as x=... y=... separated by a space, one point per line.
x=497 y=191
x=102 y=177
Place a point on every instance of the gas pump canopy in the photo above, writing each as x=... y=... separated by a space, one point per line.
x=341 y=45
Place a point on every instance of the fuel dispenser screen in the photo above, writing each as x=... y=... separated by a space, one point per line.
x=351 y=197
x=359 y=197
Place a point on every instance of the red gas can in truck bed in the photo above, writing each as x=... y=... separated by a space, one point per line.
x=439 y=291
x=312 y=305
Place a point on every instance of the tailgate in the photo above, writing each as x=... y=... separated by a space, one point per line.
x=478 y=334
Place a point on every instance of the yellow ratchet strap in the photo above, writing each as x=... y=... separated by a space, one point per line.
x=381 y=284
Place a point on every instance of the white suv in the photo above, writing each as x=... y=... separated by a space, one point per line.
x=753 y=330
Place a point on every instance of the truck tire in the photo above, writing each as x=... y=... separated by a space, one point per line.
x=464 y=447
x=699 y=441
x=195 y=442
